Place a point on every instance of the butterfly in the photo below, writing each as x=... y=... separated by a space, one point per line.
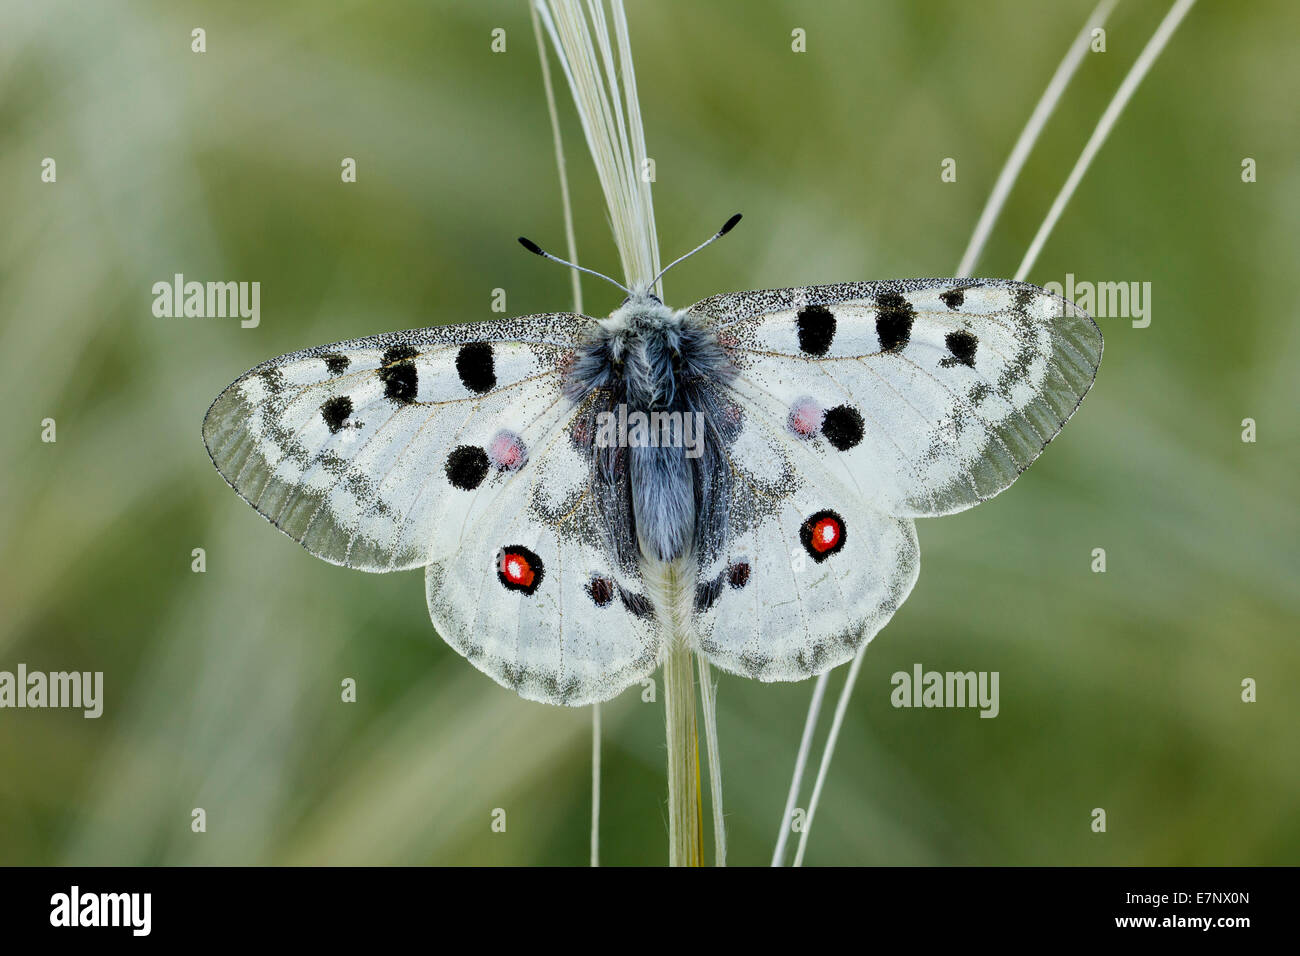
x=761 y=505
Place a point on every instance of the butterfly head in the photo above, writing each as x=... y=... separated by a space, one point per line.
x=640 y=310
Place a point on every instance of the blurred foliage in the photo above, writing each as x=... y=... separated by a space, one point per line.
x=1118 y=690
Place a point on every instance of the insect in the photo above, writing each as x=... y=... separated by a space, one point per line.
x=562 y=552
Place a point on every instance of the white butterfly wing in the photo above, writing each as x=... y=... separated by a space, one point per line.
x=805 y=571
x=926 y=396
x=368 y=452
x=536 y=598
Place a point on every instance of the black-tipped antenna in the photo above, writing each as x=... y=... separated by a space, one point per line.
x=726 y=228
x=537 y=250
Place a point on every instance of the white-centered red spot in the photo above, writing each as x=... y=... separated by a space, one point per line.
x=518 y=570
x=826 y=534
x=822 y=535
x=507 y=451
x=806 y=417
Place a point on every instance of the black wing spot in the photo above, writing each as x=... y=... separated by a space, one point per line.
x=738 y=574
x=401 y=380
x=336 y=364
x=476 y=367
x=842 y=427
x=816 y=329
x=894 y=315
x=1024 y=296
x=467 y=466
x=707 y=594
x=735 y=574
x=962 y=345
x=953 y=298
x=336 y=412
x=399 y=353
x=638 y=605
x=273 y=379
x=601 y=591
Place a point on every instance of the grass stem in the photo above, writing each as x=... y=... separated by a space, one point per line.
x=800 y=762
x=1104 y=125
x=685 y=820
x=709 y=704
x=1029 y=136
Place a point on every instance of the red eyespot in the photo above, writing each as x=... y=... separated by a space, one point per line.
x=826 y=534
x=822 y=535
x=519 y=569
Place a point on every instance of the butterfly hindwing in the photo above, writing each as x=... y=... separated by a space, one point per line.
x=536 y=597
x=927 y=396
x=805 y=571
x=782 y=613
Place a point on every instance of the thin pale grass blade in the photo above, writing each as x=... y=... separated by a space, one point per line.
x=611 y=122
x=841 y=707
x=1108 y=119
x=801 y=761
x=709 y=703
x=566 y=203
x=1029 y=136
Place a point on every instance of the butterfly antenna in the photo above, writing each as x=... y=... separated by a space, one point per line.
x=539 y=251
x=726 y=228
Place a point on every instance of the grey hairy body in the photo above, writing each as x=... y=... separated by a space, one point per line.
x=659 y=362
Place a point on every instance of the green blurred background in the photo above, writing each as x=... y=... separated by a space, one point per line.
x=1118 y=690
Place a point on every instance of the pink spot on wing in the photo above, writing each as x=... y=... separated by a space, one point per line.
x=507 y=451
x=806 y=417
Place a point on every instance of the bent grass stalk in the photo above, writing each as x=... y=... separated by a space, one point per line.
x=709 y=703
x=1104 y=125
x=800 y=761
x=1003 y=187
x=1029 y=136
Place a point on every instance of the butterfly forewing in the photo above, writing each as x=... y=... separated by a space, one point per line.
x=365 y=451
x=926 y=395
